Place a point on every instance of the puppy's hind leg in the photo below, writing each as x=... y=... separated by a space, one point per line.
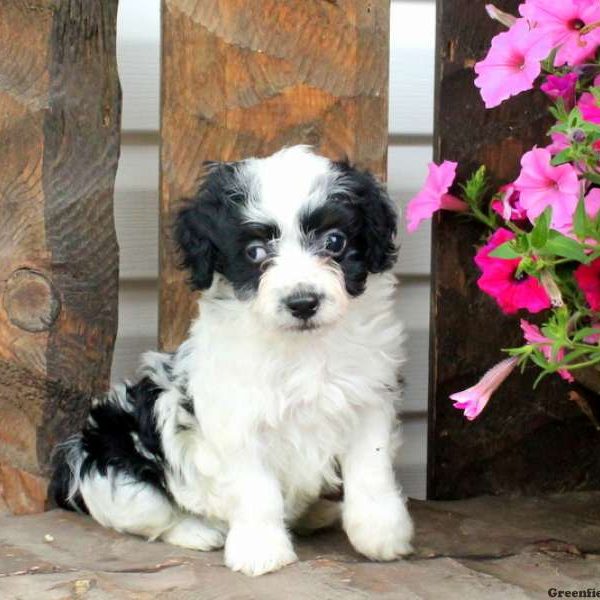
x=128 y=505
x=195 y=533
x=139 y=508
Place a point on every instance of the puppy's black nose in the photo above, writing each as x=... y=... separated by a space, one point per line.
x=303 y=305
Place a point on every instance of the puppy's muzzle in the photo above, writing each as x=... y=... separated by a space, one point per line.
x=303 y=305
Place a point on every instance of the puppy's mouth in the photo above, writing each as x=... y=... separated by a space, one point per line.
x=304 y=326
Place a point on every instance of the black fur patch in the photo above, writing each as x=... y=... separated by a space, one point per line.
x=366 y=215
x=212 y=233
x=188 y=406
x=108 y=438
x=377 y=214
x=58 y=490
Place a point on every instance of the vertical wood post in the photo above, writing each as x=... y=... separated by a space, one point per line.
x=244 y=79
x=60 y=104
x=526 y=441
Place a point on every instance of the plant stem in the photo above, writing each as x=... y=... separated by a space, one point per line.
x=479 y=215
x=583 y=365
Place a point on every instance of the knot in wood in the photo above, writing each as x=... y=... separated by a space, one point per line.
x=31 y=301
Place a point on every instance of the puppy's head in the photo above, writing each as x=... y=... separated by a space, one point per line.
x=295 y=235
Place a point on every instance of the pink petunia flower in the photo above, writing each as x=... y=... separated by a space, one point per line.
x=475 y=399
x=561 y=22
x=588 y=279
x=499 y=279
x=592 y=208
x=561 y=86
x=542 y=185
x=512 y=64
x=434 y=195
x=589 y=108
x=559 y=143
x=509 y=207
x=592 y=203
x=533 y=335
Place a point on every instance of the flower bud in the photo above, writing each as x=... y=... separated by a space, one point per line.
x=499 y=15
x=551 y=288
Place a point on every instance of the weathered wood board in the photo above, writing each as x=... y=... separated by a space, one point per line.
x=60 y=105
x=526 y=441
x=244 y=79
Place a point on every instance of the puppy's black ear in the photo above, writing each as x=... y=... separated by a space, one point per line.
x=379 y=217
x=198 y=254
x=198 y=224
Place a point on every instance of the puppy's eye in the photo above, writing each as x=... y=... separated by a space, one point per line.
x=256 y=252
x=335 y=242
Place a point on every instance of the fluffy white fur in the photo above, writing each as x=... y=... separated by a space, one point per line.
x=282 y=415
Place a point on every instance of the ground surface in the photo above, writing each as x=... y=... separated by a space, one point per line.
x=485 y=548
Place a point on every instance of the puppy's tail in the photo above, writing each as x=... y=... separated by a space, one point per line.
x=64 y=488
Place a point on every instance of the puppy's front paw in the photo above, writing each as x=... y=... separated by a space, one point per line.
x=380 y=530
x=256 y=549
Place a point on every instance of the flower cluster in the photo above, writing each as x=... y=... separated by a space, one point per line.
x=542 y=252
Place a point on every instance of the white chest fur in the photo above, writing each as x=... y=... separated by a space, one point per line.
x=291 y=398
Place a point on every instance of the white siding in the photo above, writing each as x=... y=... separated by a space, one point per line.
x=136 y=198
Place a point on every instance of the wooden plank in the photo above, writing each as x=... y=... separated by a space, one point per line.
x=526 y=441
x=59 y=146
x=411 y=65
x=240 y=82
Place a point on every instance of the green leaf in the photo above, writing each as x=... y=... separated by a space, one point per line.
x=565 y=247
x=593 y=177
x=539 y=360
x=575 y=119
x=522 y=244
x=476 y=187
x=506 y=251
x=562 y=157
x=541 y=231
x=539 y=378
x=548 y=63
x=585 y=332
x=581 y=221
x=570 y=358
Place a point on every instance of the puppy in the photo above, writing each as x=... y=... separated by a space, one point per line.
x=286 y=386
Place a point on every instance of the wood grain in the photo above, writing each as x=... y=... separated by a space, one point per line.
x=412 y=33
x=526 y=441
x=242 y=80
x=59 y=145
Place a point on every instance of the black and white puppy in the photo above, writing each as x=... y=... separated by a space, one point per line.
x=286 y=385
